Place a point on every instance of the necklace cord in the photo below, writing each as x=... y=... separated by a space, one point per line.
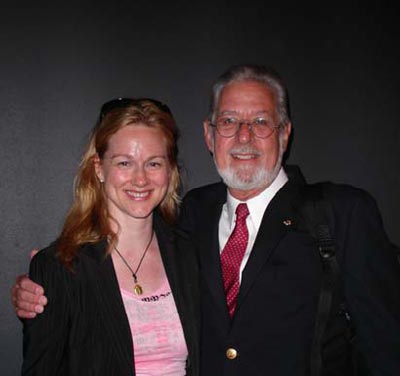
x=134 y=273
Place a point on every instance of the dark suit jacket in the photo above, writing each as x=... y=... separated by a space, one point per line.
x=84 y=329
x=272 y=328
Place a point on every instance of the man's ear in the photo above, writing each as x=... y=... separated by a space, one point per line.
x=286 y=135
x=98 y=168
x=208 y=136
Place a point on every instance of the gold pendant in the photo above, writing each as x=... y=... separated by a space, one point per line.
x=138 y=290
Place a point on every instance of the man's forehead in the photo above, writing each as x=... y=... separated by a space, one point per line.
x=246 y=90
x=238 y=112
x=247 y=85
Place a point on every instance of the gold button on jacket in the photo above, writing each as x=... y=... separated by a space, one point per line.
x=231 y=353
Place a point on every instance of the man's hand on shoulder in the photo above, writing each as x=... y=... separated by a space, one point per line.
x=27 y=296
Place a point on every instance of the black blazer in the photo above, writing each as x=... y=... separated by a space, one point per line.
x=272 y=328
x=84 y=329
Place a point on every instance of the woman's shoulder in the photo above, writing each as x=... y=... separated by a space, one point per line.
x=46 y=255
x=46 y=269
x=48 y=260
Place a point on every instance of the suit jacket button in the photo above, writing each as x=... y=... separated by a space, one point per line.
x=231 y=353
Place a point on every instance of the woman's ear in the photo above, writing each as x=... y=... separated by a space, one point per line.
x=98 y=168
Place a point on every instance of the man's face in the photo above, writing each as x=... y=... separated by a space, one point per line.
x=248 y=164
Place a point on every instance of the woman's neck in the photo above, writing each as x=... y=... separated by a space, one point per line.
x=134 y=236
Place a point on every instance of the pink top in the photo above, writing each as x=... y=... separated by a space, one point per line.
x=159 y=343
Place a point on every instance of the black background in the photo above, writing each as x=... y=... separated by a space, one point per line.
x=60 y=62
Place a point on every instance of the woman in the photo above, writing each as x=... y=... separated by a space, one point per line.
x=122 y=283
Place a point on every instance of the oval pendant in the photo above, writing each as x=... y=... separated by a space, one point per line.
x=138 y=290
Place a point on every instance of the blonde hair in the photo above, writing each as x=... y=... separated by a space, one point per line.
x=88 y=220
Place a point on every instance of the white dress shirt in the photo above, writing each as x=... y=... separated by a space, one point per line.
x=257 y=206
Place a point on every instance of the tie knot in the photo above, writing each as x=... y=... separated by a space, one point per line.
x=242 y=212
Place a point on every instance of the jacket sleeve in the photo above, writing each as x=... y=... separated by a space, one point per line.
x=372 y=287
x=45 y=337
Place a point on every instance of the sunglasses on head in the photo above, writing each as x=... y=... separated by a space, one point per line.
x=125 y=102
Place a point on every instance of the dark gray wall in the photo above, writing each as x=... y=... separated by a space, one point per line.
x=59 y=63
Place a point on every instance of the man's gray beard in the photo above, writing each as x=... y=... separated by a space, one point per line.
x=262 y=177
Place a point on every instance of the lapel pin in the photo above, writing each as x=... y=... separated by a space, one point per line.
x=287 y=222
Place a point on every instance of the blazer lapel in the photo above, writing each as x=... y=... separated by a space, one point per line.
x=166 y=242
x=272 y=230
x=112 y=310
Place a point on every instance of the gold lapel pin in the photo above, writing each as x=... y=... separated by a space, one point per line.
x=287 y=222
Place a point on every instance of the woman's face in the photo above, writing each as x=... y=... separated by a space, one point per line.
x=136 y=172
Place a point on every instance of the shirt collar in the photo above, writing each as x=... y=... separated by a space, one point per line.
x=258 y=204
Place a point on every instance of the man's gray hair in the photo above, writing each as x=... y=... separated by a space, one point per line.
x=252 y=72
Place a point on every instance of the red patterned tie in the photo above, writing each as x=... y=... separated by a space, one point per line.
x=232 y=255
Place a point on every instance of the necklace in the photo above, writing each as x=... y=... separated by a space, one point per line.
x=137 y=289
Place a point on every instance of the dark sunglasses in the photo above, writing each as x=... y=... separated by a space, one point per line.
x=125 y=102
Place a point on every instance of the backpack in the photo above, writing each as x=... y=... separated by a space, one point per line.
x=333 y=349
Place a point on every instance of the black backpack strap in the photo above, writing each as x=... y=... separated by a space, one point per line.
x=319 y=218
x=397 y=250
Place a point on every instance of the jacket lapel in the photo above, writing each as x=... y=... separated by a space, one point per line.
x=272 y=230
x=181 y=288
x=112 y=310
x=165 y=238
x=170 y=260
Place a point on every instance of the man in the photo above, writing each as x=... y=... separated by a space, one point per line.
x=261 y=272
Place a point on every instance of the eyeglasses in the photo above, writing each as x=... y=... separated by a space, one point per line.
x=125 y=102
x=229 y=126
